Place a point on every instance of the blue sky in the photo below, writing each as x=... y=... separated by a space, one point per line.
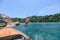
x=24 y=8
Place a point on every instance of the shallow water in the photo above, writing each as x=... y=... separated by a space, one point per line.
x=41 y=31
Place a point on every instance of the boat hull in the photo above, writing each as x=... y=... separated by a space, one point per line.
x=13 y=37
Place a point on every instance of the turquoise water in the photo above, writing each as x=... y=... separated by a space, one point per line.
x=41 y=31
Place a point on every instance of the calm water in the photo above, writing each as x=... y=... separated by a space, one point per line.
x=41 y=31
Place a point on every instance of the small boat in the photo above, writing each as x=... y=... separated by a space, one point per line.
x=27 y=21
x=9 y=33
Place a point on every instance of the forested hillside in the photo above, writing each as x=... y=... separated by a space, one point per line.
x=47 y=18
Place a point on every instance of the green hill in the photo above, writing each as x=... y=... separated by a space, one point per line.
x=47 y=18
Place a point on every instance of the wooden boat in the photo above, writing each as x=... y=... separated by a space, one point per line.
x=27 y=21
x=9 y=33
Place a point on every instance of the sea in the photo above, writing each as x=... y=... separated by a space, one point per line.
x=41 y=30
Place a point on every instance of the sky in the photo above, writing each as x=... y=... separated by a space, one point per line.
x=25 y=8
